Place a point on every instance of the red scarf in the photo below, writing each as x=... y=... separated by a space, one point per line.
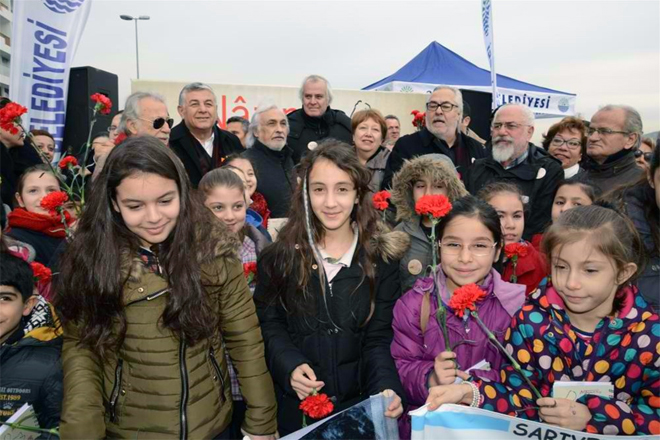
x=46 y=224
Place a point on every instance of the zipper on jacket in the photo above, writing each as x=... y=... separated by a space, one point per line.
x=184 y=390
x=150 y=297
x=114 y=395
x=218 y=373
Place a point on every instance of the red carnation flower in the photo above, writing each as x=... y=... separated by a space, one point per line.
x=69 y=160
x=466 y=297
x=42 y=274
x=103 y=103
x=10 y=115
x=414 y=112
x=317 y=406
x=380 y=200
x=121 y=137
x=54 y=201
x=515 y=250
x=436 y=206
x=249 y=268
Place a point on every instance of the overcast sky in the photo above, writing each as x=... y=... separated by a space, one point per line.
x=604 y=51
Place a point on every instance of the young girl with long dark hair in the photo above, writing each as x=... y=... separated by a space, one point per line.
x=591 y=325
x=327 y=288
x=149 y=289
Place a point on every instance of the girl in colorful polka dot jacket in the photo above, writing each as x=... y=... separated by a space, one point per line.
x=590 y=326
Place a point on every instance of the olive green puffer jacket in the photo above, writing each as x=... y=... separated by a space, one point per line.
x=156 y=386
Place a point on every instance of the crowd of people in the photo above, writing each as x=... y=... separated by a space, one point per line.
x=215 y=279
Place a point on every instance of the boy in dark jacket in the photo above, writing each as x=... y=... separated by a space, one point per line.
x=30 y=346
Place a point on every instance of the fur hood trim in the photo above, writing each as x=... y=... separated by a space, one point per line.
x=414 y=170
x=390 y=245
x=214 y=240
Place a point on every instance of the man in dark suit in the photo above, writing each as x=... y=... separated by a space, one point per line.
x=441 y=135
x=197 y=140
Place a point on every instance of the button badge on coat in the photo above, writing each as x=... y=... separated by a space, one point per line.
x=415 y=267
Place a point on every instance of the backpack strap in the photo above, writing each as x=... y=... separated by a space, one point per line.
x=425 y=312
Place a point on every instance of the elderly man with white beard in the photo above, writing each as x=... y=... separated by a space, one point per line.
x=272 y=158
x=516 y=160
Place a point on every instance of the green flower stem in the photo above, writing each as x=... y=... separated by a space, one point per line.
x=513 y=362
x=84 y=164
x=17 y=425
x=514 y=263
x=441 y=314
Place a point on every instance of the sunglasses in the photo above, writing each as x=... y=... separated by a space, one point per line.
x=647 y=156
x=159 y=122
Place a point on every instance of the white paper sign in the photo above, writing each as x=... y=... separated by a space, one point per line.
x=457 y=422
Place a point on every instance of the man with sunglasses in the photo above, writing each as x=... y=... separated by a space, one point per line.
x=612 y=137
x=146 y=113
x=516 y=160
x=442 y=135
x=198 y=141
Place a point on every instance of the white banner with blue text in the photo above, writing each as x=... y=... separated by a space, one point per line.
x=45 y=35
x=457 y=422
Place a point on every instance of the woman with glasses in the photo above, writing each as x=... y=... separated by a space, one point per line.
x=470 y=240
x=566 y=141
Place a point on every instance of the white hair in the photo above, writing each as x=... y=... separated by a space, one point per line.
x=316 y=78
x=256 y=121
x=632 y=123
x=195 y=87
x=457 y=95
x=528 y=114
x=132 y=108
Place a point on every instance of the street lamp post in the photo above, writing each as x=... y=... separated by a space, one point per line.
x=137 y=51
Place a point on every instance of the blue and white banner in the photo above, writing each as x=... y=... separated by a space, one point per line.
x=457 y=422
x=487 y=25
x=45 y=36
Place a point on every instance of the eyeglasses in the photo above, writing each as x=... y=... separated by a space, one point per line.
x=446 y=106
x=604 y=131
x=573 y=144
x=476 y=249
x=510 y=126
x=112 y=128
x=647 y=156
x=159 y=122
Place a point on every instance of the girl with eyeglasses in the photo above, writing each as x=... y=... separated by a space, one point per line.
x=470 y=239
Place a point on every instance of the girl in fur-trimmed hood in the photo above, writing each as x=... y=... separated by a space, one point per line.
x=430 y=174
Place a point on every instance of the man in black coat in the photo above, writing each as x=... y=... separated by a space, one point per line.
x=316 y=120
x=442 y=135
x=614 y=134
x=197 y=140
x=271 y=158
x=516 y=160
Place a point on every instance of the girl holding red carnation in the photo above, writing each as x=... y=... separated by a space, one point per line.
x=522 y=262
x=30 y=222
x=592 y=325
x=327 y=288
x=470 y=240
x=424 y=175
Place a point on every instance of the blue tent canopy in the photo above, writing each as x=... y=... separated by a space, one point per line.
x=437 y=65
